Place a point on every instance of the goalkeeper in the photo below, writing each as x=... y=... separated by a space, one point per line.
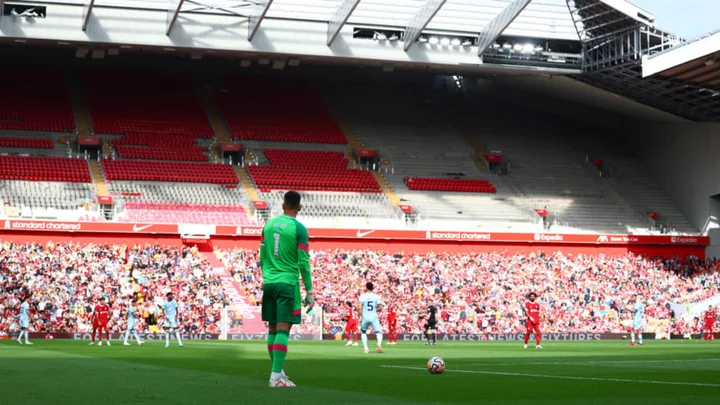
x=284 y=251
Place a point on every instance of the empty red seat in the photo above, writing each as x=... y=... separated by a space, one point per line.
x=311 y=170
x=40 y=168
x=26 y=143
x=39 y=104
x=127 y=101
x=456 y=185
x=169 y=171
x=278 y=111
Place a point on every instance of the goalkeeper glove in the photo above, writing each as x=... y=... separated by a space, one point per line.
x=309 y=300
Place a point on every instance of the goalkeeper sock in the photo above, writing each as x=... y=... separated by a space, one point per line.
x=632 y=337
x=434 y=337
x=364 y=340
x=280 y=348
x=271 y=343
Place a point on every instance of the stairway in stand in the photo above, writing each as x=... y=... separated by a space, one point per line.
x=79 y=106
x=214 y=116
x=98 y=179
x=251 y=317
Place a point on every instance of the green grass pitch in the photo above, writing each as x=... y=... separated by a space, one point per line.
x=205 y=372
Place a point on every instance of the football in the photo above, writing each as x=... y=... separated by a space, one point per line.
x=436 y=365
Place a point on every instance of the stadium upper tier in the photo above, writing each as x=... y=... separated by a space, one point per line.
x=38 y=104
x=311 y=170
x=139 y=102
x=177 y=213
x=276 y=110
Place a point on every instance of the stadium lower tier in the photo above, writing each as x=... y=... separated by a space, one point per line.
x=177 y=213
x=474 y=293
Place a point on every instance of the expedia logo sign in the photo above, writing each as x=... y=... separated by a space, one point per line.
x=459 y=236
x=602 y=238
x=681 y=239
x=248 y=231
x=548 y=238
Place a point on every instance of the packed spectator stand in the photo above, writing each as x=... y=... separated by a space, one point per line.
x=484 y=293
x=65 y=280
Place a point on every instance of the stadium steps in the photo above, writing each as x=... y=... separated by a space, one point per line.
x=79 y=107
x=217 y=122
x=246 y=183
x=98 y=178
x=479 y=150
x=387 y=190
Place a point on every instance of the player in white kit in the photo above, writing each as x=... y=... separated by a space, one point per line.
x=170 y=309
x=24 y=320
x=369 y=303
x=133 y=318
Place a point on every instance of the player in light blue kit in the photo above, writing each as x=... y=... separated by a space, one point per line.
x=170 y=308
x=133 y=317
x=24 y=320
x=369 y=303
x=638 y=310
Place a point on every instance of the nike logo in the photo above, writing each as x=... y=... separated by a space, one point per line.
x=140 y=228
x=360 y=234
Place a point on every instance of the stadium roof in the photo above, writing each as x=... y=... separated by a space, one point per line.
x=696 y=63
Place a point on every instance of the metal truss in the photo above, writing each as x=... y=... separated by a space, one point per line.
x=257 y=14
x=339 y=18
x=174 y=7
x=418 y=23
x=691 y=102
x=87 y=11
x=497 y=25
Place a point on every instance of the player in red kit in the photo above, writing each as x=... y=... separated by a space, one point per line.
x=392 y=325
x=709 y=327
x=352 y=325
x=94 y=320
x=532 y=312
x=102 y=313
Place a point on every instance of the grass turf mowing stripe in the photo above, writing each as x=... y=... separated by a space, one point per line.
x=565 y=377
x=580 y=363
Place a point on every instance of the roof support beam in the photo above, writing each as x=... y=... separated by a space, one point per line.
x=339 y=18
x=257 y=14
x=418 y=23
x=174 y=7
x=497 y=25
x=87 y=11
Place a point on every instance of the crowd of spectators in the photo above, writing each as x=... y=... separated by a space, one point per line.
x=475 y=293
x=484 y=292
x=64 y=282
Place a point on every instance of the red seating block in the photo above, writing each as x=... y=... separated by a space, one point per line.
x=37 y=168
x=127 y=101
x=311 y=170
x=40 y=104
x=182 y=213
x=277 y=110
x=26 y=143
x=145 y=153
x=169 y=172
x=456 y=185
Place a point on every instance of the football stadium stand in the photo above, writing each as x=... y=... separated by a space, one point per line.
x=180 y=172
x=418 y=142
x=303 y=117
x=310 y=170
x=35 y=105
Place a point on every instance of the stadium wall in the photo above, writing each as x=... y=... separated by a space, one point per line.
x=393 y=246
x=684 y=158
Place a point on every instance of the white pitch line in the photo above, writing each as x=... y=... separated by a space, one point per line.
x=566 y=377
x=589 y=362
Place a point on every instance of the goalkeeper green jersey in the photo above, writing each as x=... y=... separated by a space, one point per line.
x=284 y=252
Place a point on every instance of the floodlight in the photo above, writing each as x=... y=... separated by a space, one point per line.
x=445 y=41
x=455 y=42
x=528 y=48
x=467 y=43
x=434 y=40
x=518 y=47
x=507 y=45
